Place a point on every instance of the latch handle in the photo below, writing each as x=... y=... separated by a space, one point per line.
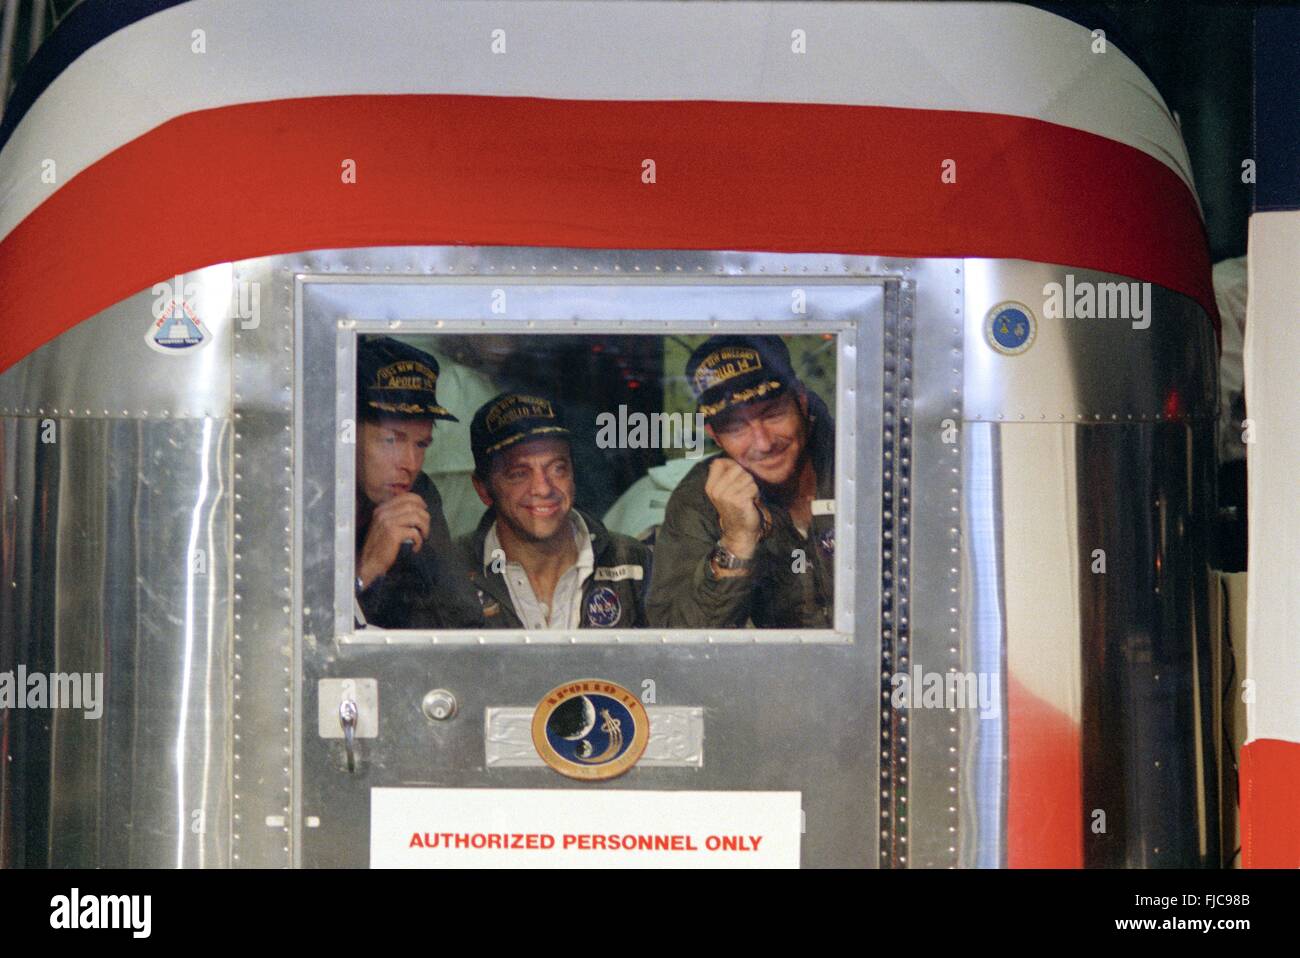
x=348 y=716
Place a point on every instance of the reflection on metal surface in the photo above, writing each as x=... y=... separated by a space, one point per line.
x=199 y=545
x=1085 y=370
x=116 y=553
x=983 y=751
x=1106 y=645
x=1147 y=694
x=676 y=738
x=1086 y=506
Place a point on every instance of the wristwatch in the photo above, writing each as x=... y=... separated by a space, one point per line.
x=726 y=559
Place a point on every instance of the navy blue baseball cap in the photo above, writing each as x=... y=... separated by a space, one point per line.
x=729 y=371
x=512 y=418
x=397 y=381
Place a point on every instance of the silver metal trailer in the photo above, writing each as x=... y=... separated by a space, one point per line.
x=183 y=524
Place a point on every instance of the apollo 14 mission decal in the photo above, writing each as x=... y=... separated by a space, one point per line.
x=590 y=729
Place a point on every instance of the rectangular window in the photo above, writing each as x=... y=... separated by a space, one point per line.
x=587 y=481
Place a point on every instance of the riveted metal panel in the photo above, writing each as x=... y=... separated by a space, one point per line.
x=116 y=564
x=264 y=674
x=1121 y=368
x=759 y=693
x=102 y=368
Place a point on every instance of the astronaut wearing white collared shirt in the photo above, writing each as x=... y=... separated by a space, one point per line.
x=541 y=563
x=564 y=609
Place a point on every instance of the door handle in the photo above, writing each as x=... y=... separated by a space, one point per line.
x=348 y=717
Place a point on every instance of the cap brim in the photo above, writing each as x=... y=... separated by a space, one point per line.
x=411 y=410
x=540 y=432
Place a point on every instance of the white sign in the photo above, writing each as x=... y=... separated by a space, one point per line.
x=580 y=828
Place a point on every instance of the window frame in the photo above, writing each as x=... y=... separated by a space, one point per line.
x=847 y=307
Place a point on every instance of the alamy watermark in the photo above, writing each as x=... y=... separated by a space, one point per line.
x=77 y=911
x=920 y=689
x=55 y=690
x=659 y=430
x=1088 y=300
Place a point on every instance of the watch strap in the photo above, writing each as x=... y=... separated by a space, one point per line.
x=726 y=559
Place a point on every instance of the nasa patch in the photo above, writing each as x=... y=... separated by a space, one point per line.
x=590 y=729
x=1010 y=328
x=603 y=608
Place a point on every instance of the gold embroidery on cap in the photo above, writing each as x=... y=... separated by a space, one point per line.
x=408 y=408
x=510 y=440
x=513 y=408
x=723 y=364
x=745 y=395
x=406 y=374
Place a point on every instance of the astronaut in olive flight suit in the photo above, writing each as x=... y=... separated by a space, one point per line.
x=749 y=534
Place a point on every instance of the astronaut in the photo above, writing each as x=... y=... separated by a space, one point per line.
x=540 y=563
x=407 y=571
x=749 y=534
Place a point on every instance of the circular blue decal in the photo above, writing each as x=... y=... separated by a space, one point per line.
x=1010 y=328
x=590 y=729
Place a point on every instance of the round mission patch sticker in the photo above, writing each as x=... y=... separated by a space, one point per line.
x=590 y=729
x=1010 y=328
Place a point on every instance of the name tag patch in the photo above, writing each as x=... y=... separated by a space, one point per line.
x=617 y=573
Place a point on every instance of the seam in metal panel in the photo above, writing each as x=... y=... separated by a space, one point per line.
x=894 y=528
x=262 y=671
x=952 y=580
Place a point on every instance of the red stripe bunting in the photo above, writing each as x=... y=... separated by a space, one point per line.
x=265 y=178
x=1045 y=818
x=1270 y=810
